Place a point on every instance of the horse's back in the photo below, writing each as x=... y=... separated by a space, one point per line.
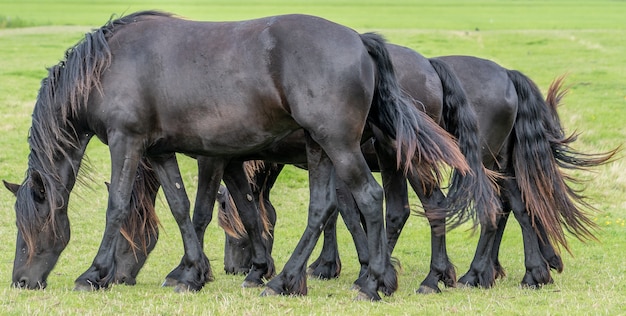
x=418 y=79
x=234 y=78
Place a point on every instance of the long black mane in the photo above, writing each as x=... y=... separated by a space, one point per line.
x=54 y=133
x=67 y=89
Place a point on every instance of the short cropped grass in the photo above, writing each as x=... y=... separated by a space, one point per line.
x=543 y=39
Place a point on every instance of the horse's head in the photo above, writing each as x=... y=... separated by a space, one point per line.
x=43 y=231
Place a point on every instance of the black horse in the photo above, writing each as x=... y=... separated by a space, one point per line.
x=151 y=85
x=501 y=99
x=431 y=84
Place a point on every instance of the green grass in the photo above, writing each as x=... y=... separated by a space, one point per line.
x=543 y=39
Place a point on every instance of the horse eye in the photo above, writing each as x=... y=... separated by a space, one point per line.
x=39 y=196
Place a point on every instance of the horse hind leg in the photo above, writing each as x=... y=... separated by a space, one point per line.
x=537 y=268
x=441 y=268
x=354 y=172
x=328 y=264
x=197 y=270
x=482 y=271
x=210 y=172
x=495 y=253
x=549 y=253
x=292 y=279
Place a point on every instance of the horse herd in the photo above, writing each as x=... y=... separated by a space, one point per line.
x=299 y=90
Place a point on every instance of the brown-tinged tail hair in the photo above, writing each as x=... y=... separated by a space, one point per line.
x=422 y=146
x=540 y=150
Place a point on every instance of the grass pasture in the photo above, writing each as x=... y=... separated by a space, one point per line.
x=544 y=39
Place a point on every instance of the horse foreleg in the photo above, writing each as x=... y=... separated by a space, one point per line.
x=141 y=227
x=124 y=162
x=196 y=267
x=210 y=171
x=264 y=181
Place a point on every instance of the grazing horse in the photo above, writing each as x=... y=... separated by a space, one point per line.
x=506 y=101
x=421 y=80
x=152 y=85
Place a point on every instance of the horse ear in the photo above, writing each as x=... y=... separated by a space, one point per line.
x=37 y=185
x=13 y=187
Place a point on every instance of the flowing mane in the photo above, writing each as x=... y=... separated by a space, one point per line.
x=53 y=132
x=67 y=89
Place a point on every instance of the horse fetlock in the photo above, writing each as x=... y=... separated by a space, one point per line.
x=556 y=263
x=478 y=278
x=537 y=277
x=430 y=284
x=288 y=285
x=254 y=278
x=368 y=287
x=324 y=269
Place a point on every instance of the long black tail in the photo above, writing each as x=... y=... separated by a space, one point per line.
x=540 y=148
x=461 y=121
x=421 y=145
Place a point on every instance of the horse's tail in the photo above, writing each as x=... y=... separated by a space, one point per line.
x=540 y=147
x=421 y=145
x=142 y=223
x=460 y=120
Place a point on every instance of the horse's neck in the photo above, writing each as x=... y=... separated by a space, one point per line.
x=65 y=166
x=76 y=157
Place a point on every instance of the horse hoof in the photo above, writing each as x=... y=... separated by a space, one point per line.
x=169 y=282
x=364 y=297
x=250 y=284
x=423 y=289
x=182 y=288
x=269 y=292
x=83 y=288
x=463 y=285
